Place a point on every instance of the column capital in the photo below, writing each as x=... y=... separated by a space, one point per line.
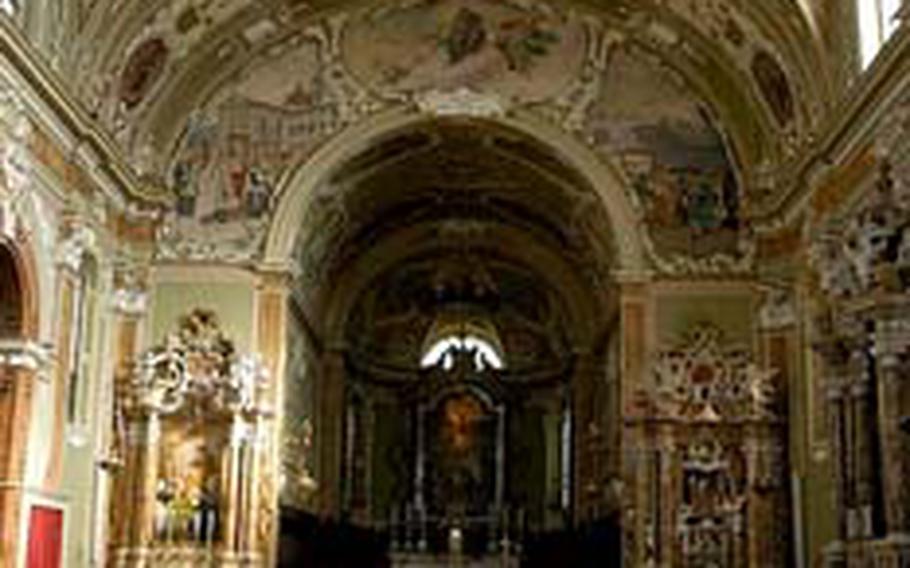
x=24 y=354
x=277 y=274
x=892 y=341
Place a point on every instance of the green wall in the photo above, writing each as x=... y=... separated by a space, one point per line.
x=731 y=312
x=232 y=302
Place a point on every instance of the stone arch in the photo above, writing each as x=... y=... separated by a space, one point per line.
x=300 y=187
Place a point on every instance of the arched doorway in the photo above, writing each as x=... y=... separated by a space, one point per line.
x=19 y=359
x=475 y=240
x=12 y=299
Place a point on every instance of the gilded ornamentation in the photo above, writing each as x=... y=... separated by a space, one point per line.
x=71 y=251
x=705 y=381
x=198 y=364
x=871 y=252
x=15 y=162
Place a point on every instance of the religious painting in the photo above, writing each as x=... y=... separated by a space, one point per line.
x=772 y=81
x=188 y=488
x=143 y=68
x=232 y=152
x=514 y=50
x=461 y=471
x=675 y=159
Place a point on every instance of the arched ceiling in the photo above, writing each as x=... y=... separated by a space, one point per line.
x=145 y=66
x=453 y=199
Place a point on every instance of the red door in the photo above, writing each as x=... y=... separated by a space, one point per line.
x=45 y=538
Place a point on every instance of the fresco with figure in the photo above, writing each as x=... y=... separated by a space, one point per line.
x=674 y=157
x=233 y=152
x=518 y=51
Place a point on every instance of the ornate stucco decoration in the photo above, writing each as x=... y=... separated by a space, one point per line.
x=198 y=366
x=705 y=381
x=869 y=252
x=779 y=310
x=130 y=294
x=461 y=102
x=72 y=248
x=15 y=162
x=714 y=420
x=25 y=355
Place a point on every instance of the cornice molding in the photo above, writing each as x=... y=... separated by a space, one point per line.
x=50 y=101
x=851 y=128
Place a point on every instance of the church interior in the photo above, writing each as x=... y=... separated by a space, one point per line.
x=438 y=283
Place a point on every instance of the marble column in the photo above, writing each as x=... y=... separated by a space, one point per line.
x=21 y=363
x=331 y=426
x=836 y=357
x=640 y=510
x=143 y=454
x=892 y=348
x=129 y=307
x=271 y=339
x=232 y=490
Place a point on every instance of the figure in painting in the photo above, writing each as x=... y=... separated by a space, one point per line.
x=185 y=189
x=258 y=193
x=467 y=36
x=523 y=40
x=517 y=52
x=703 y=207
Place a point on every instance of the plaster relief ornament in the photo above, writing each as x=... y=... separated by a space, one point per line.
x=711 y=516
x=522 y=52
x=198 y=369
x=779 y=310
x=463 y=102
x=15 y=162
x=870 y=251
x=703 y=380
x=72 y=248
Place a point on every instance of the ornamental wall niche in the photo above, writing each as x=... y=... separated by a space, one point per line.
x=488 y=59
x=707 y=476
x=192 y=432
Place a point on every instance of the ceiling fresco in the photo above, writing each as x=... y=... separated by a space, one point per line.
x=519 y=53
x=217 y=100
x=393 y=319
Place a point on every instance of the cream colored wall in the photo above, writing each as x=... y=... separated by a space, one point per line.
x=229 y=292
x=728 y=306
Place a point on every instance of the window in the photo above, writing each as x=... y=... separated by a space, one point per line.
x=877 y=21
x=443 y=352
x=9 y=6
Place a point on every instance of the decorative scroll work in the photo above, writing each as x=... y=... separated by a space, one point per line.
x=197 y=424
x=712 y=512
x=871 y=252
x=198 y=364
x=15 y=163
x=704 y=381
